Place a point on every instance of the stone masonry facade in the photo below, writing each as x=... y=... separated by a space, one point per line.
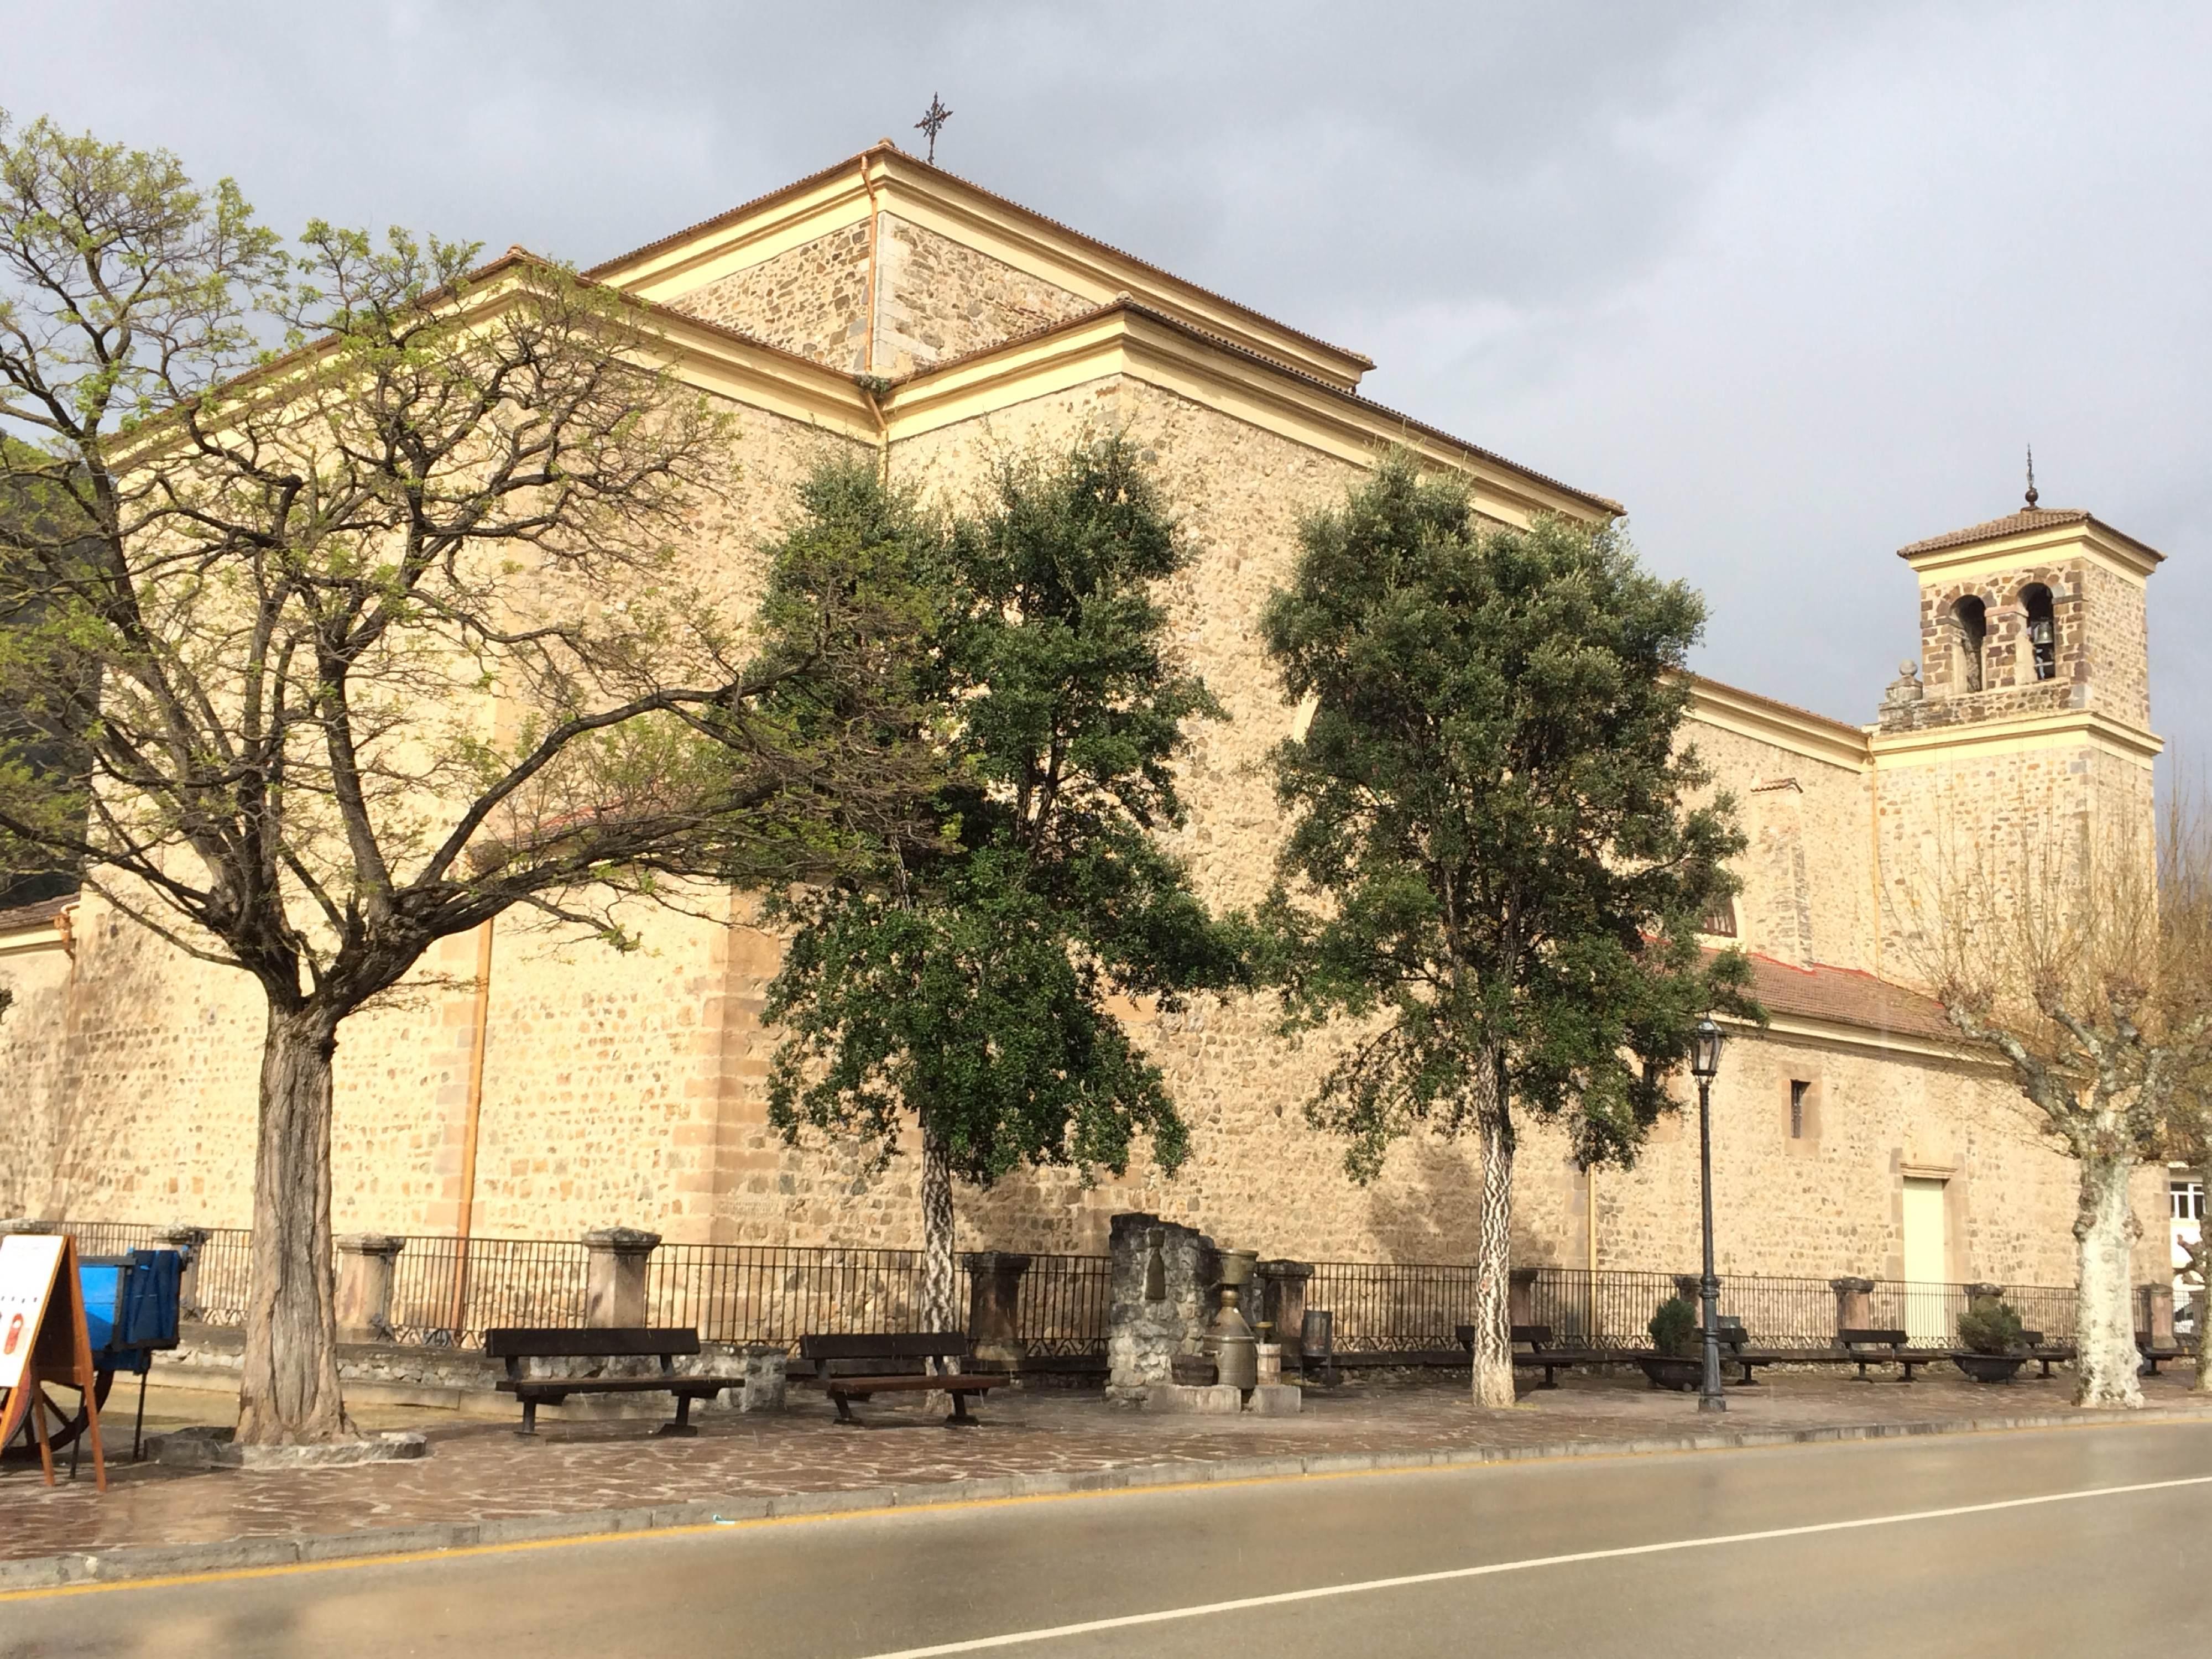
x=630 y=1089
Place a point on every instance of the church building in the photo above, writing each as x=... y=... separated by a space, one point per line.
x=884 y=308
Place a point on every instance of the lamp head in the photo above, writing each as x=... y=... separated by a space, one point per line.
x=1706 y=1050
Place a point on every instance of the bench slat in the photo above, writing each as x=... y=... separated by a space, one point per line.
x=541 y=1342
x=695 y=1385
x=887 y=1345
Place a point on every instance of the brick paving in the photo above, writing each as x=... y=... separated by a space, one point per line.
x=479 y=1470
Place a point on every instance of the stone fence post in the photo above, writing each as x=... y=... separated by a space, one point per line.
x=1283 y=1306
x=365 y=1265
x=2155 y=1311
x=1982 y=1290
x=994 y=1290
x=1520 y=1296
x=615 y=1274
x=1691 y=1287
x=187 y=1241
x=1854 y=1304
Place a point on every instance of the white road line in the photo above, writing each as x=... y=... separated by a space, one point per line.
x=1168 y=1615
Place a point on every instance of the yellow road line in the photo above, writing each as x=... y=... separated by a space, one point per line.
x=640 y=1535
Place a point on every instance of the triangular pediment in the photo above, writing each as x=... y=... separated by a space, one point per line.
x=885 y=264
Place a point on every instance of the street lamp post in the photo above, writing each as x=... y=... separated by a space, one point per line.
x=1705 y=1064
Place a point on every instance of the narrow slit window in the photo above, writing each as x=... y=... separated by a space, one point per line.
x=1798 y=1090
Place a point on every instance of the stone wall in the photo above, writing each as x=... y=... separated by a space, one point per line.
x=2099 y=647
x=1808 y=874
x=628 y=1089
x=812 y=299
x=936 y=299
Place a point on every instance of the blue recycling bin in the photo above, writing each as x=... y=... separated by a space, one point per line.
x=131 y=1309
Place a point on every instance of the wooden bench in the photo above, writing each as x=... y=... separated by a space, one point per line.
x=849 y=1368
x=2153 y=1357
x=1865 y=1346
x=516 y=1344
x=1737 y=1350
x=2046 y=1353
x=1535 y=1346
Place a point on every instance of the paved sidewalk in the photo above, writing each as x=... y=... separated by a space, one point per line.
x=481 y=1483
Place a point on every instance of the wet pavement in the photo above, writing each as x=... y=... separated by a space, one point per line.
x=481 y=1470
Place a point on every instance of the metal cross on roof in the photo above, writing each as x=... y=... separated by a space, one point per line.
x=937 y=117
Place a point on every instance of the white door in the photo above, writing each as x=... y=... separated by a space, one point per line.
x=1926 y=1264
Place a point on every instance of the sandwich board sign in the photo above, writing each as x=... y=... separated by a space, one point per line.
x=44 y=1338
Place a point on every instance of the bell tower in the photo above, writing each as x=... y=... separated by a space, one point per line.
x=2041 y=612
x=2029 y=712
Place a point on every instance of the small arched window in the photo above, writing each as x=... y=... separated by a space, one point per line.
x=1970 y=622
x=2042 y=630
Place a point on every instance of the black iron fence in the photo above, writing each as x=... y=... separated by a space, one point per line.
x=1381 y=1308
x=446 y=1293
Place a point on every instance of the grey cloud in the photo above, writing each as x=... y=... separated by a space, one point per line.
x=1795 y=284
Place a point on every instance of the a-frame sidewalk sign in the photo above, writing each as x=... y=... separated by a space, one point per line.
x=45 y=1337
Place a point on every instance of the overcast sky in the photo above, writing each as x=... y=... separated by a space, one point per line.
x=1796 y=287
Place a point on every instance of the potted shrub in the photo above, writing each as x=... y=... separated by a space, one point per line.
x=1990 y=1341
x=1677 y=1359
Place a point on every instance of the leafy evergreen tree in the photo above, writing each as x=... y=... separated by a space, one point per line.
x=958 y=990
x=1493 y=865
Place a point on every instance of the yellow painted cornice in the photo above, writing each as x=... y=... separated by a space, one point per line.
x=889 y=180
x=725 y=364
x=32 y=941
x=1126 y=339
x=1875 y=1040
x=1800 y=731
x=2072 y=728
x=746 y=235
x=2086 y=538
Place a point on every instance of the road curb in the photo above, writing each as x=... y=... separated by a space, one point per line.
x=139 y=1561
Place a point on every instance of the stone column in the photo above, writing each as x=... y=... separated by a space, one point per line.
x=1854 y=1304
x=1145 y=1332
x=994 y=1288
x=614 y=1278
x=365 y=1264
x=186 y=1241
x=1282 y=1304
x=1520 y=1296
x=2155 y=1312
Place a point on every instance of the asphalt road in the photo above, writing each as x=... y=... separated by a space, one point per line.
x=2079 y=1541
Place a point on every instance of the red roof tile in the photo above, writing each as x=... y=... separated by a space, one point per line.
x=35 y=914
x=1848 y=996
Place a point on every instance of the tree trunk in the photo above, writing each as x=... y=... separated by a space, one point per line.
x=2105 y=1326
x=1493 y=1263
x=2200 y=1269
x=939 y=1265
x=289 y=1391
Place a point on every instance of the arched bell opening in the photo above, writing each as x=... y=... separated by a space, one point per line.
x=2042 y=630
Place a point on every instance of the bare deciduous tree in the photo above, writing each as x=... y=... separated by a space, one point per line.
x=364 y=575
x=2083 y=958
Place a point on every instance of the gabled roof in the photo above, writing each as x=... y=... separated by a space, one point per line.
x=1377 y=418
x=2026 y=521
x=1847 y=996
x=906 y=185
x=37 y=914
